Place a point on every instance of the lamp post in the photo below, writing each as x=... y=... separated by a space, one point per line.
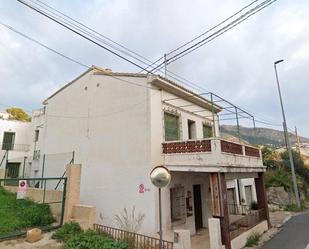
x=160 y=177
x=287 y=138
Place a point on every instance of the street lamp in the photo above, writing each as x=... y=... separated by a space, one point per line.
x=160 y=177
x=287 y=138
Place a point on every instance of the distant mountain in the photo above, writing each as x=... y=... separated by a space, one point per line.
x=264 y=136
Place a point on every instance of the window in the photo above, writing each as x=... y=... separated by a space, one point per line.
x=171 y=126
x=36 y=135
x=207 y=131
x=191 y=129
x=178 y=212
x=8 y=140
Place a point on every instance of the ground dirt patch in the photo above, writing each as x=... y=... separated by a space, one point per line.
x=45 y=243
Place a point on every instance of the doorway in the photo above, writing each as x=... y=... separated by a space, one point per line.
x=198 y=214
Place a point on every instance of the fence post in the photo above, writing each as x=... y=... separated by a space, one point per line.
x=43 y=168
x=73 y=172
x=182 y=239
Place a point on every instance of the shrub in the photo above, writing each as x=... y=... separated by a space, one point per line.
x=93 y=240
x=253 y=239
x=278 y=178
x=16 y=215
x=294 y=208
x=254 y=205
x=67 y=231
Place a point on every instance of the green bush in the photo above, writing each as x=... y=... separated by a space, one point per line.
x=253 y=239
x=278 y=178
x=93 y=240
x=294 y=208
x=254 y=205
x=67 y=231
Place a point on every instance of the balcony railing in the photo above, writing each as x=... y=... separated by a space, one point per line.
x=205 y=145
x=187 y=146
x=210 y=153
x=15 y=147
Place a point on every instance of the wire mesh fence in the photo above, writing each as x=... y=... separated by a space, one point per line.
x=30 y=207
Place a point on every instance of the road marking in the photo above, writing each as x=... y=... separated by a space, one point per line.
x=307 y=247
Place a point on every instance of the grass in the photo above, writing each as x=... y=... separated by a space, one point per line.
x=18 y=215
x=253 y=239
x=73 y=237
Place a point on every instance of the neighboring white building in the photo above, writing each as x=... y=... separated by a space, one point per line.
x=15 y=144
x=122 y=125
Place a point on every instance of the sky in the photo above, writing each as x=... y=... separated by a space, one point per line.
x=237 y=65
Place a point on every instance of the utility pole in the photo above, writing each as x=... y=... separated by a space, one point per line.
x=287 y=138
x=165 y=66
x=298 y=140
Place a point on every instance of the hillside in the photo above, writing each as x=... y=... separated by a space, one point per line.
x=264 y=136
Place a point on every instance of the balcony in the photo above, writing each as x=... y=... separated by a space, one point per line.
x=208 y=154
x=15 y=147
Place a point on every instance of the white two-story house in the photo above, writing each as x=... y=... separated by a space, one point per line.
x=14 y=145
x=122 y=125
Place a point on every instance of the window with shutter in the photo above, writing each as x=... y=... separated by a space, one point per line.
x=8 y=140
x=207 y=131
x=171 y=126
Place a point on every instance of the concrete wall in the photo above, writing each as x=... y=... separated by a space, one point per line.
x=241 y=240
x=106 y=122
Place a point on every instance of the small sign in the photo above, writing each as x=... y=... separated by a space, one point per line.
x=22 y=189
x=141 y=188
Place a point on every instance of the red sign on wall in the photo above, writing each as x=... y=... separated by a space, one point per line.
x=141 y=188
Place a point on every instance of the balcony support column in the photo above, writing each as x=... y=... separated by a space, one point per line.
x=261 y=196
x=219 y=205
x=213 y=116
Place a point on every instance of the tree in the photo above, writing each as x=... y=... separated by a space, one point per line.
x=299 y=165
x=18 y=114
x=270 y=158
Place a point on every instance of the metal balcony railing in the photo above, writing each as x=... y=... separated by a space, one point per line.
x=15 y=147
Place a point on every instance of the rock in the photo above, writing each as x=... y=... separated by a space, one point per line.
x=279 y=197
x=34 y=235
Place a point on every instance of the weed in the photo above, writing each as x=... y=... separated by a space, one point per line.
x=253 y=239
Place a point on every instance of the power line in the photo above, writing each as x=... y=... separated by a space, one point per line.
x=42 y=45
x=67 y=57
x=216 y=34
x=54 y=19
x=82 y=35
x=212 y=28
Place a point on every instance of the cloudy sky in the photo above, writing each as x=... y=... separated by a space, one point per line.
x=238 y=65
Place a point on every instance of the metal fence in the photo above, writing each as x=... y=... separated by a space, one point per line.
x=46 y=198
x=135 y=240
x=236 y=209
x=246 y=222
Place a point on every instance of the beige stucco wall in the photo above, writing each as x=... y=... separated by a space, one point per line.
x=37 y=195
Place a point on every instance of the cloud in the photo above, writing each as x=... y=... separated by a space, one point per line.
x=238 y=65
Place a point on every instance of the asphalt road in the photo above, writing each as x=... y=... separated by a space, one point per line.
x=293 y=235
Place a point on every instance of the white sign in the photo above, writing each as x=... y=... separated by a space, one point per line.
x=22 y=189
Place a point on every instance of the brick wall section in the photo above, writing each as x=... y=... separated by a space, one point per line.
x=187 y=147
x=249 y=151
x=229 y=147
